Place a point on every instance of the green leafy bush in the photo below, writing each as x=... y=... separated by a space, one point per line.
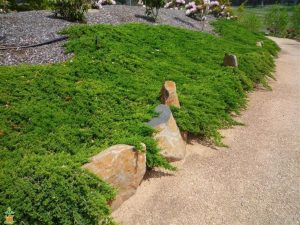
x=200 y=9
x=250 y=21
x=4 y=5
x=277 y=20
x=38 y=4
x=152 y=8
x=54 y=117
x=73 y=10
x=295 y=20
x=24 y=5
x=241 y=9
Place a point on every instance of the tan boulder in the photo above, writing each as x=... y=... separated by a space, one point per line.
x=185 y=135
x=230 y=60
x=121 y=166
x=168 y=134
x=169 y=94
x=259 y=43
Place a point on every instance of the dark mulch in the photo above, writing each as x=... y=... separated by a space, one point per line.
x=33 y=27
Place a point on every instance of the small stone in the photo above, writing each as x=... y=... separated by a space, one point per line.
x=169 y=94
x=259 y=43
x=68 y=98
x=121 y=166
x=168 y=134
x=230 y=60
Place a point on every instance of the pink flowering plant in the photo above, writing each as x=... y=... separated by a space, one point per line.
x=99 y=3
x=199 y=9
x=175 y=4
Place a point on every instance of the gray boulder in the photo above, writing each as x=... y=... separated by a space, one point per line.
x=168 y=134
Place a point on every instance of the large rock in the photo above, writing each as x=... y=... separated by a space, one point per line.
x=168 y=135
x=230 y=60
x=122 y=166
x=169 y=94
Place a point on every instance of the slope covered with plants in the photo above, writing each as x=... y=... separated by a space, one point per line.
x=54 y=117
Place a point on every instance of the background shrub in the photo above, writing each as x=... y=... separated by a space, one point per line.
x=4 y=5
x=250 y=21
x=152 y=8
x=73 y=10
x=24 y=5
x=38 y=4
x=295 y=20
x=277 y=20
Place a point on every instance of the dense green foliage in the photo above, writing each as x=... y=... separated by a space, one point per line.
x=277 y=20
x=24 y=5
x=250 y=21
x=73 y=10
x=54 y=117
x=280 y=20
x=4 y=5
x=295 y=20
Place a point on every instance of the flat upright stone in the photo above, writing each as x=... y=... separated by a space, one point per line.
x=259 y=43
x=169 y=94
x=121 y=166
x=230 y=60
x=168 y=134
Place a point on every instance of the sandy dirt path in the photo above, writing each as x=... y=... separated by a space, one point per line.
x=254 y=181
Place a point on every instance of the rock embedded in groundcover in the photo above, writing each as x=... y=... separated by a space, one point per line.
x=230 y=60
x=168 y=134
x=121 y=166
x=169 y=95
x=259 y=43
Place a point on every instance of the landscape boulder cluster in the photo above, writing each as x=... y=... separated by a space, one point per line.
x=124 y=167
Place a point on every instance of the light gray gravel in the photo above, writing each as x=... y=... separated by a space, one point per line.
x=32 y=27
x=254 y=181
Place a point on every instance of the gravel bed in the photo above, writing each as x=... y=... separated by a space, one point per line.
x=33 y=27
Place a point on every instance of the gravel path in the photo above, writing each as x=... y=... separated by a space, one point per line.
x=255 y=181
x=34 y=27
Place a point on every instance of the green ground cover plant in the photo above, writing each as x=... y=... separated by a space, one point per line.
x=54 y=117
x=251 y=21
